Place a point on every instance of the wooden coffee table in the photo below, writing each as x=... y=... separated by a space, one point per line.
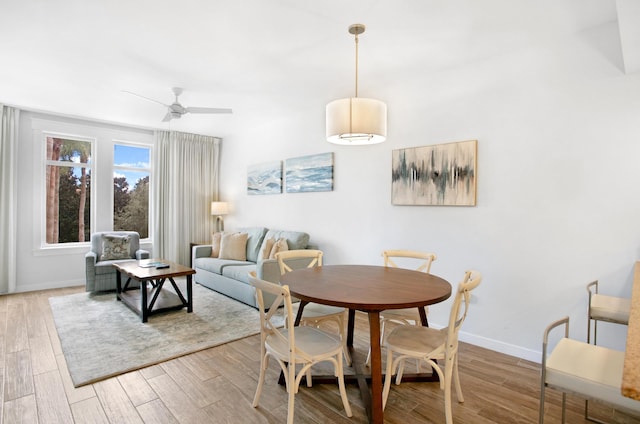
x=150 y=300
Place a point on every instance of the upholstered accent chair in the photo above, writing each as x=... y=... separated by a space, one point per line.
x=107 y=248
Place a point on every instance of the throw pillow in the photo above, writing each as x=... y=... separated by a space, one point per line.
x=115 y=247
x=234 y=246
x=215 y=244
x=265 y=250
x=279 y=246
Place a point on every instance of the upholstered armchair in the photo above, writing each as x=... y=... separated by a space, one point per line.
x=108 y=248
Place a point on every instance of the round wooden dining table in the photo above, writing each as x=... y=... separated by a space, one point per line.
x=370 y=289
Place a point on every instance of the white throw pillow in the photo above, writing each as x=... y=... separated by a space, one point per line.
x=115 y=247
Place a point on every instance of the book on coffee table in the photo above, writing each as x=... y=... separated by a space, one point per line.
x=154 y=264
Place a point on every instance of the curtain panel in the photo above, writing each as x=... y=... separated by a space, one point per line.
x=186 y=172
x=10 y=123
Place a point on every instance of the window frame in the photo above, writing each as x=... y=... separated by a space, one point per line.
x=91 y=166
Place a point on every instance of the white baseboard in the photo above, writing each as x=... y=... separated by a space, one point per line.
x=21 y=288
x=498 y=346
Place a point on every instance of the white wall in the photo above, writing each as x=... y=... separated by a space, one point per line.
x=558 y=133
x=558 y=130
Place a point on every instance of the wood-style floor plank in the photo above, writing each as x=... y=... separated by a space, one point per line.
x=217 y=385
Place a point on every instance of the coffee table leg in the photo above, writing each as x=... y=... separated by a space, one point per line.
x=143 y=307
x=118 y=284
x=189 y=294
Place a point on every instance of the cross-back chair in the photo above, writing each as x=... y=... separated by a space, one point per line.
x=430 y=345
x=314 y=313
x=302 y=346
x=421 y=261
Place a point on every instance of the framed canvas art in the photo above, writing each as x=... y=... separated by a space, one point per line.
x=265 y=178
x=309 y=173
x=442 y=175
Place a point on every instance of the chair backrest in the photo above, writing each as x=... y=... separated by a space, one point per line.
x=314 y=256
x=457 y=316
x=267 y=314
x=424 y=265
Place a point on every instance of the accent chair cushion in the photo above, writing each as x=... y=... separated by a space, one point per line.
x=609 y=308
x=234 y=246
x=115 y=247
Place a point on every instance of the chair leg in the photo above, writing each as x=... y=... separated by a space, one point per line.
x=263 y=369
x=387 y=378
x=341 y=386
x=449 y=367
x=291 y=390
x=456 y=378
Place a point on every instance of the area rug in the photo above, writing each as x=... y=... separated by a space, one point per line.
x=102 y=337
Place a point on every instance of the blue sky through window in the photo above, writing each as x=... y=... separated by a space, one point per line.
x=126 y=159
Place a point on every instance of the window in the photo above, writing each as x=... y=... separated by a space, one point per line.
x=131 y=172
x=68 y=189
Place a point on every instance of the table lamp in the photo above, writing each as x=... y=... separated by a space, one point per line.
x=219 y=209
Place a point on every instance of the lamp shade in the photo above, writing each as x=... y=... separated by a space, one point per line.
x=219 y=208
x=356 y=121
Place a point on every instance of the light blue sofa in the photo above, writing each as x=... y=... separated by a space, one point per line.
x=231 y=277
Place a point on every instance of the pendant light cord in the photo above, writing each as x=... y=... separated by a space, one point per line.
x=356 y=64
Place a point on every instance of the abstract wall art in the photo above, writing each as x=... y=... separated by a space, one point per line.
x=265 y=178
x=438 y=175
x=309 y=173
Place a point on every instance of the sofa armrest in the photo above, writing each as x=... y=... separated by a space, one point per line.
x=142 y=254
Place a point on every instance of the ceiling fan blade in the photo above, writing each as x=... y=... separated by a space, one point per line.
x=208 y=110
x=167 y=117
x=146 y=98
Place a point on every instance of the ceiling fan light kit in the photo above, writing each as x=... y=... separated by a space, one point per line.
x=356 y=121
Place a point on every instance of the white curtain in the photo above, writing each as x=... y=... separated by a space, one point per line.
x=8 y=196
x=186 y=170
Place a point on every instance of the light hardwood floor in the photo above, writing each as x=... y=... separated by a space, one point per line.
x=217 y=385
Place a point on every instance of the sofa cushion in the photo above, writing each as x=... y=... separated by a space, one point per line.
x=216 y=265
x=233 y=246
x=280 y=246
x=295 y=239
x=115 y=247
x=265 y=250
x=254 y=241
x=239 y=272
x=106 y=267
x=216 y=238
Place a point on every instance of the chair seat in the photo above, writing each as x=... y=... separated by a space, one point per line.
x=316 y=310
x=416 y=340
x=402 y=314
x=311 y=340
x=609 y=308
x=591 y=370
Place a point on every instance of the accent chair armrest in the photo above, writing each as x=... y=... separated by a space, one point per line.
x=142 y=254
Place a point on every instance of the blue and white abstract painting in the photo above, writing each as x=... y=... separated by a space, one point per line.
x=309 y=173
x=265 y=178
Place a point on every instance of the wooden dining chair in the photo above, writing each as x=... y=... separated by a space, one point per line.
x=314 y=314
x=420 y=261
x=430 y=345
x=302 y=346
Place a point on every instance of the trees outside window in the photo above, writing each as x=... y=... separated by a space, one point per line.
x=131 y=175
x=68 y=189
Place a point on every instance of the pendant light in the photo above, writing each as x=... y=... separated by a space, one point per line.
x=356 y=121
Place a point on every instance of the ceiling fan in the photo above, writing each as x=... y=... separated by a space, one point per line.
x=175 y=110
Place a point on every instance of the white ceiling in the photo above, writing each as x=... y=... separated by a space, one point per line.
x=75 y=57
